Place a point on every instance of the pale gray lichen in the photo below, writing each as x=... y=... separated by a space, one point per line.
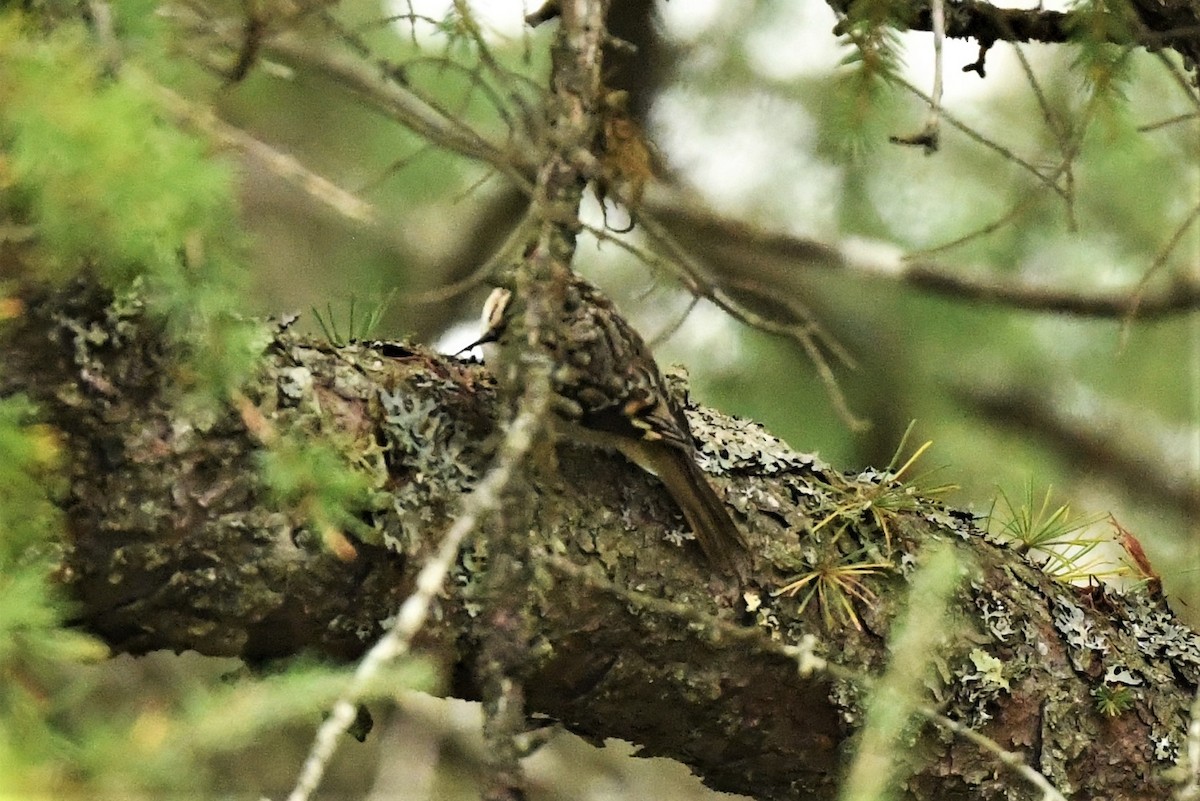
x=730 y=443
x=121 y=324
x=1120 y=674
x=962 y=523
x=996 y=615
x=432 y=446
x=678 y=536
x=766 y=617
x=1166 y=749
x=1085 y=642
x=1159 y=636
x=438 y=457
x=296 y=384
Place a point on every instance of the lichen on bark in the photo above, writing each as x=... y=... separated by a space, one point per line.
x=174 y=542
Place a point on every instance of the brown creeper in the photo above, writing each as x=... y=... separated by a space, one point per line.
x=610 y=394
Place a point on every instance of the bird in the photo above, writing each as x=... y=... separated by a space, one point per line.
x=610 y=394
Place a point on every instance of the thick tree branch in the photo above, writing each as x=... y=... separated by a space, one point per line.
x=769 y=260
x=1159 y=23
x=986 y=22
x=1086 y=429
x=174 y=543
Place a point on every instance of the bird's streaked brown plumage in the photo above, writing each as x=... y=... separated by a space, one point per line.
x=611 y=394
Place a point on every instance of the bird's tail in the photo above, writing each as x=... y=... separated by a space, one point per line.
x=704 y=510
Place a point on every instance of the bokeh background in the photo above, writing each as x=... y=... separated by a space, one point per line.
x=755 y=115
x=759 y=112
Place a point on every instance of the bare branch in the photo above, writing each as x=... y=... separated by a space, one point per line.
x=1120 y=442
x=1050 y=181
x=283 y=165
x=780 y=254
x=1159 y=262
x=399 y=102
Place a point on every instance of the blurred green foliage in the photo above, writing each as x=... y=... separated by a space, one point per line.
x=91 y=162
x=112 y=188
x=924 y=628
x=1082 y=110
x=35 y=651
x=110 y=184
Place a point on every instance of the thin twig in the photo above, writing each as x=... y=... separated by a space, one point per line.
x=471 y=26
x=937 y=11
x=673 y=327
x=1049 y=181
x=474 y=78
x=975 y=136
x=929 y=135
x=801 y=312
x=413 y=613
x=404 y=105
x=1179 y=77
x=1059 y=129
x=1052 y=122
x=1160 y=260
x=283 y=165
x=397 y=101
x=682 y=264
x=507 y=253
x=395 y=168
x=1013 y=213
x=1010 y=759
x=1178 y=118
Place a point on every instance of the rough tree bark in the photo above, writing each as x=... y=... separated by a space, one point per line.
x=1153 y=24
x=174 y=544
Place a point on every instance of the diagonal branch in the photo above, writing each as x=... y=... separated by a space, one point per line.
x=175 y=543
